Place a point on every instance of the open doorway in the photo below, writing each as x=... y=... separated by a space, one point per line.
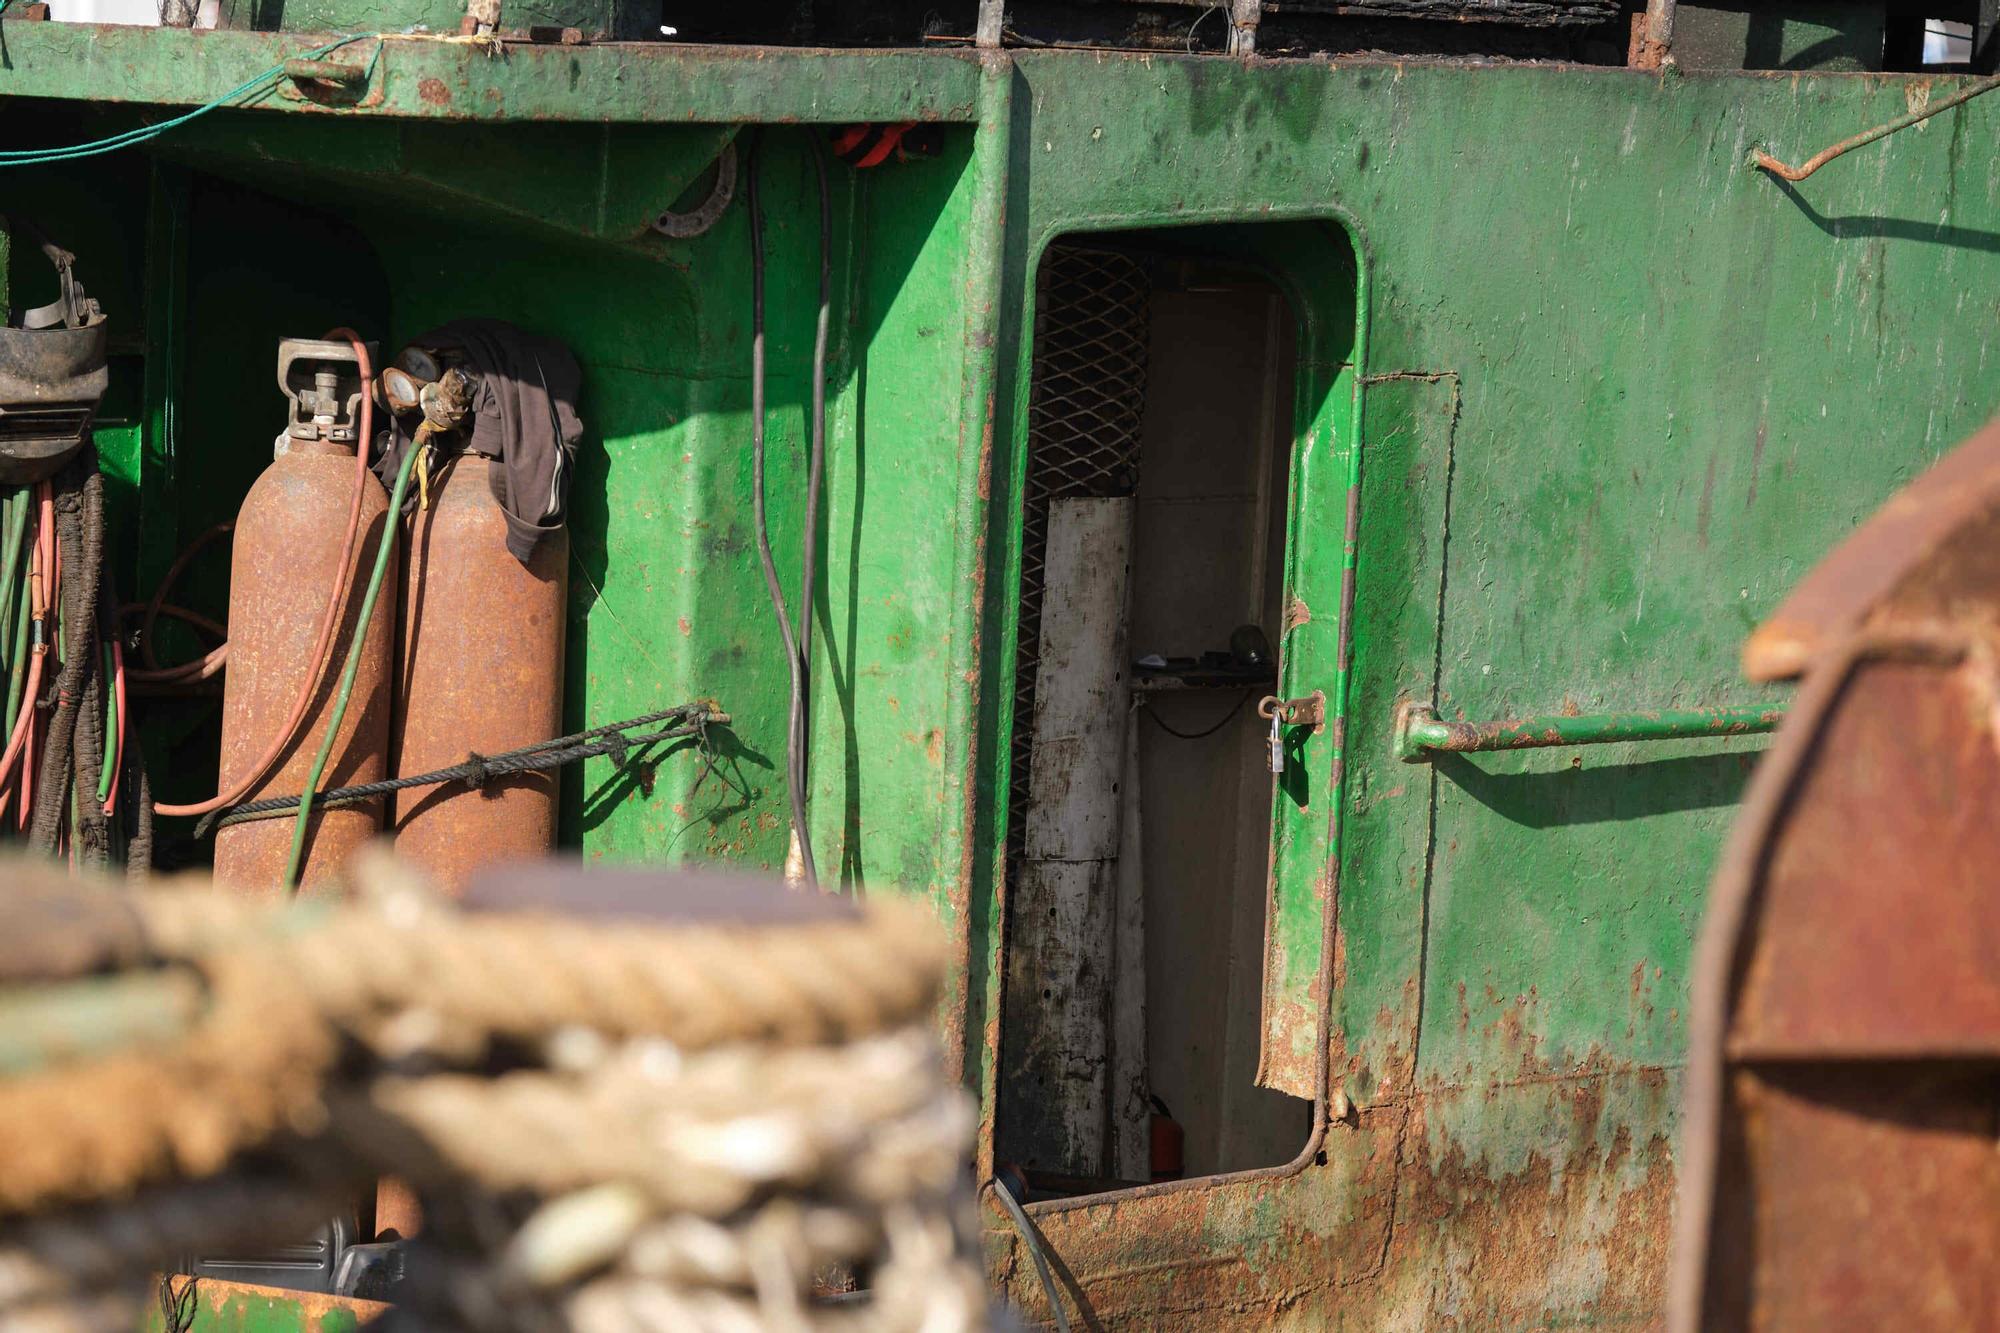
x=1160 y=440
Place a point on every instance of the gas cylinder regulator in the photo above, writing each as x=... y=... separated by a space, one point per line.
x=52 y=373
x=423 y=381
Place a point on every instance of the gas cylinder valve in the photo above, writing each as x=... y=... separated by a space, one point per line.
x=322 y=382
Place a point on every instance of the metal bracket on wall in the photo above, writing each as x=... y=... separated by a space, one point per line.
x=1420 y=732
x=683 y=226
x=329 y=82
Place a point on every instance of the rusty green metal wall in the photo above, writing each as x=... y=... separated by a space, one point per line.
x=1607 y=390
x=1618 y=391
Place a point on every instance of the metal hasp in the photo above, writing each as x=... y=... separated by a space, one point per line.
x=1420 y=732
x=1839 y=1163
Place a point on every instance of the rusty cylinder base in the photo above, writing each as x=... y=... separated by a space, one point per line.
x=288 y=537
x=481 y=672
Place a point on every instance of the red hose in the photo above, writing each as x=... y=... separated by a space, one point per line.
x=208 y=665
x=39 y=596
x=118 y=695
x=17 y=744
x=335 y=598
x=159 y=599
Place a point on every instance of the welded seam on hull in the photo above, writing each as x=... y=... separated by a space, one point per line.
x=1437 y=677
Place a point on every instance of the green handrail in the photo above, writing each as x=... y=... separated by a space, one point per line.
x=1421 y=732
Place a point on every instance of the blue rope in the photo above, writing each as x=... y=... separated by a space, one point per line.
x=28 y=157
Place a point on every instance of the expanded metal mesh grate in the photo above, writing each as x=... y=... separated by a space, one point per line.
x=1084 y=408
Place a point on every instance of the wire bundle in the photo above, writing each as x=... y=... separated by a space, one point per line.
x=71 y=784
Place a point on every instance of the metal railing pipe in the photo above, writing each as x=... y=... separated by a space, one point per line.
x=1421 y=732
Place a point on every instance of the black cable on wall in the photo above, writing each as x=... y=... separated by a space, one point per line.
x=797 y=642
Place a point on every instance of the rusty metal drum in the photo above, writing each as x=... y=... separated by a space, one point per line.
x=288 y=539
x=481 y=671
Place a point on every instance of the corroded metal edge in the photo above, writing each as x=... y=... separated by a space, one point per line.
x=446 y=78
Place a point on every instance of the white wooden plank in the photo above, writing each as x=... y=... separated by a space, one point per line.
x=1131 y=1149
x=1081 y=685
x=1058 y=984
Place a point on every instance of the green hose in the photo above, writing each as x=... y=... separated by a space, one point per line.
x=13 y=524
x=110 y=728
x=391 y=521
x=17 y=670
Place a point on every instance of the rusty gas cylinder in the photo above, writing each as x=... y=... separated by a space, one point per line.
x=481 y=672
x=288 y=539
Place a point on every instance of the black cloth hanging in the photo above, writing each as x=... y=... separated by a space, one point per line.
x=523 y=413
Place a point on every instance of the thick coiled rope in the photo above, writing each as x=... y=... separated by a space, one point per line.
x=613 y=1125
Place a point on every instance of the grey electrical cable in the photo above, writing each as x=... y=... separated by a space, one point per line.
x=815 y=472
x=794 y=772
x=1033 y=1241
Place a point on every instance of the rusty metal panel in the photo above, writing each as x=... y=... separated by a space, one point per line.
x=1880 y=936
x=1516 y=1206
x=1840 y=1137
x=1843 y=1109
x=1840 y=1165
x=1860 y=1197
